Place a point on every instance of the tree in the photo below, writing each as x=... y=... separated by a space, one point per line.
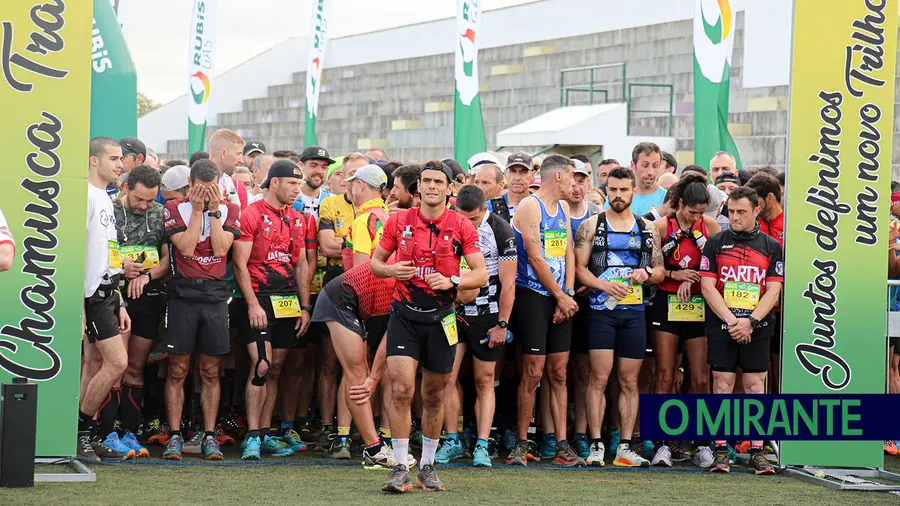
x=144 y=104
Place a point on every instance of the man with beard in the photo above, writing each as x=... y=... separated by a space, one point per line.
x=315 y=162
x=617 y=252
x=405 y=194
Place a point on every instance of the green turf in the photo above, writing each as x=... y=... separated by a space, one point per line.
x=198 y=485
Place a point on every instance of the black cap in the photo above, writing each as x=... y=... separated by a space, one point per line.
x=315 y=153
x=455 y=167
x=254 y=147
x=670 y=160
x=281 y=168
x=521 y=159
x=441 y=166
x=744 y=176
x=132 y=146
x=727 y=177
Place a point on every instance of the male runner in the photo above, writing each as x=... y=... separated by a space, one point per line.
x=226 y=152
x=741 y=273
x=405 y=193
x=429 y=241
x=105 y=317
x=545 y=277
x=617 y=252
x=201 y=229
x=646 y=160
x=272 y=272
x=484 y=324
x=519 y=171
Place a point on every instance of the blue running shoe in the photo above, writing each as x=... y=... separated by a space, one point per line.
x=272 y=446
x=131 y=441
x=293 y=441
x=115 y=444
x=548 y=446
x=615 y=438
x=481 y=456
x=252 y=447
x=582 y=445
x=210 y=449
x=173 y=448
x=451 y=449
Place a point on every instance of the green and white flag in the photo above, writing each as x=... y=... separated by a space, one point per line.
x=468 y=124
x=113 y=78
x=318 y=41
x=200 y=70
x=714 y=22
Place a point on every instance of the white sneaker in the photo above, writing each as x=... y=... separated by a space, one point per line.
x=703 y=457
x=598 y=452
x=663 y=457
x=626 y=457
x=392 y=459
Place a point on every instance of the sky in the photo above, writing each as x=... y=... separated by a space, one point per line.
x=157 y=31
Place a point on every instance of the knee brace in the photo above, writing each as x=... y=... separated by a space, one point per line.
x=260 y=380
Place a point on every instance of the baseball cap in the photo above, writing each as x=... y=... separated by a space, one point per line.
x=536 y=182
x=254 y=147
x=372 y=175
x=455 y=167
x=441 y=166
x=580 y=167
x=132 y=146
x=176 y=178
x=670 y=160
x=520 y=159
x=727 y=177
x=281 y=168
x=744 y=176
x=315 y=153
x=482 y=159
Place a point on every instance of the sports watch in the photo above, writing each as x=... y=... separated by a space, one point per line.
x=455 y=281
x=214 y=214
x=503 y=324
x=649 y=271
x=570 y=292
x=753 y=322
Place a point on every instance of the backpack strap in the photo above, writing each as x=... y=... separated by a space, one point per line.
x=646 y=241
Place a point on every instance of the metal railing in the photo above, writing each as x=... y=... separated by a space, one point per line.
x=592 y=80
x=668 y=112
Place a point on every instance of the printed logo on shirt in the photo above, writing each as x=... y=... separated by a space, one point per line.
x=779 y=268
x=704 y=263
x=744 y=273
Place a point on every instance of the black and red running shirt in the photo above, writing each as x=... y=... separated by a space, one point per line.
x=774 y=228
x=681 y=250
x=750 y=257
x=203 y=264
x=279 y=243
x=374 y=295
x=433 y=246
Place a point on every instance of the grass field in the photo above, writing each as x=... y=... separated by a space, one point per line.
x=306 y=481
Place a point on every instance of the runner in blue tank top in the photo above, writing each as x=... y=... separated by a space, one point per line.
x=544 y=303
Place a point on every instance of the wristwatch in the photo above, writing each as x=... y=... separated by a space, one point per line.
x=455 y=281
x=503 y=324
x=649 y=271
x=149 y=276
x=753 y=322
x=570 y=292
x=308 y=309
x=214 y=214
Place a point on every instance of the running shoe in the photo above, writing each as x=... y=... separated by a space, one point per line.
x=382 y=459
x=159 y=434
x=732 y=455
x=174 y=448
x=597 y=455
x=131 y=441
x=85 y=451
x=230 y=427
x=582 y=445
x=742 y=447
x=306 y=433
x=533 y=455
x=450 y=450
x=271 y=446
x=759 y=464
x=429 y=481
x=627 y=457
x=519 y=454
x=566 y=456
x=548 y=446
x=703 y=457
x=615 y=437
x=323 y=438
x=481 y=456
x=890 y=447
x=252 y=449
x=678 y=453
x=493 y=448
x=194 y=445
x=222 y=437
x=340 y=448
x=115 y=444
x=648 y=448
x=392 y=459
x=663 y=457
x=399 y=481
x=293 y=441
x=105 y=452
x=721 y=462
x=211 y=450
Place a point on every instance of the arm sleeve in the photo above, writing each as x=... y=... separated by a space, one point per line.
x=173 y=222
x=232 y=223
x=249 y=224
x=312 y=241
x=469 y=237
x=389 y=237
x=708 y=266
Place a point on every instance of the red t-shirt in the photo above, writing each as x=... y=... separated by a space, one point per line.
x=203 y=264
x=279 y=243
x=775 y=230
x=433 y=246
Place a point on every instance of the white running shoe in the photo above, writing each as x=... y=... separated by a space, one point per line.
x=663 y=457
x=626 y=457
x=598 y=453
x=703 y=457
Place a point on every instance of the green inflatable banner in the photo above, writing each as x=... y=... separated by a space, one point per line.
x=113 y=78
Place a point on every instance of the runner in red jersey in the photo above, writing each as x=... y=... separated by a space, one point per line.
x=742 y=272
x=271 y=270
x=429 y=242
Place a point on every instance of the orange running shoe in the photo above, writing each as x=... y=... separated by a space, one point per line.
x=890 y=447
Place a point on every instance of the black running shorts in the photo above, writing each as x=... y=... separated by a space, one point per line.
x=146 y=313
x=280 y=331
x=580 y=326
x=238 y=318
x=725 y=354
x=101 y=311
x=197 y=326
x=473 y=330
x=425 y=342
x=533 y=325
x=623 y=330
x=660 y=320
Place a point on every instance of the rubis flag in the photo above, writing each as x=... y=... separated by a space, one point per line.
x=318 y=42
x=468 y=124
x=202 y=56
x=113 y=78
x=714 y=25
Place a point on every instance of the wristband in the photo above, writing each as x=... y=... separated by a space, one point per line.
x=149 y=276
x=308 y=309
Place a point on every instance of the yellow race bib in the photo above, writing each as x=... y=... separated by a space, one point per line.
x=694 y=310
x=147 y=255
x=740 y=295
x=555 y=243
x=285 y=306
x=317 y=281
x=115 y=255
x=635 y=295
x=449 y=324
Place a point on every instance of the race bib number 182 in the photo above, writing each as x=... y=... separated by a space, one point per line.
x=741 y=295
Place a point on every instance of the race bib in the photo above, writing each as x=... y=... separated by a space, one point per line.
x=285 y=307
x=146 y=255
x=449 y=324
x=740 y=295
x=463 y=265
x=635 y=295
x=555 y=243
x=694 y=310
x=115 y=255
x=317 y=281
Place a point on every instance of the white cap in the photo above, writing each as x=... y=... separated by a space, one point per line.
x=480 y=159
x=176 y=178
x=580 y=167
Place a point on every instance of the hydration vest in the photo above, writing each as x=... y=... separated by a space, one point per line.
x=599 y=261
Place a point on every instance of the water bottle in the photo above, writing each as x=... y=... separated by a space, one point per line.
x=509 y=338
